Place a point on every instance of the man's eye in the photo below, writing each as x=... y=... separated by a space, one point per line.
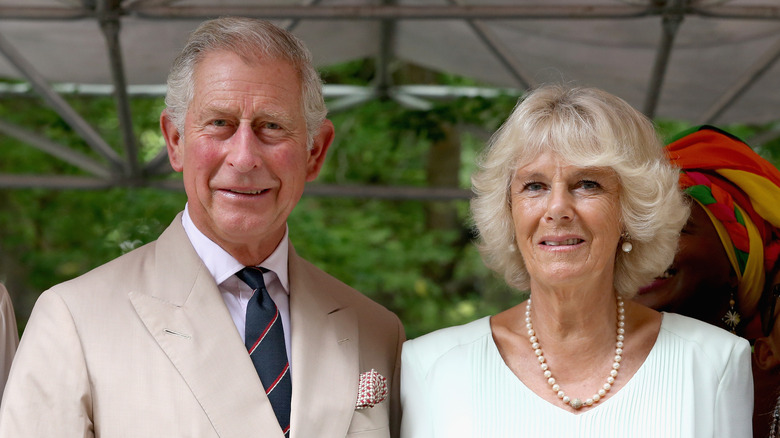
x=271 y=125
x=219 y=122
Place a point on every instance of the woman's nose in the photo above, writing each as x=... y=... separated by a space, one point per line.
x=560 y=204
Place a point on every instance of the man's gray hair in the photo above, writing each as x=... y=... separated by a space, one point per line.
x=250 y=39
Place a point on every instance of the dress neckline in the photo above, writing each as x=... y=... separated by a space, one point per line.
x=639 y=374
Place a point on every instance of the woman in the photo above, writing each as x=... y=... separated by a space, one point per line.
x=766 y=365
x=576 y=203
x=774 y=428
x=731 y=239
x=727 y=251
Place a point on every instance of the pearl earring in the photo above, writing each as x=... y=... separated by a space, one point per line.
x=627 y=246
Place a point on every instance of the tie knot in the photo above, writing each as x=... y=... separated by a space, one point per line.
x=252 y=276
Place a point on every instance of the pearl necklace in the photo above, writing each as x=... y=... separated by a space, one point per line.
x=576 y=403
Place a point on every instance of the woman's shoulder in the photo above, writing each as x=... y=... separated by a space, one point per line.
x=695 y=330
x=428 y=348
x=714 y=342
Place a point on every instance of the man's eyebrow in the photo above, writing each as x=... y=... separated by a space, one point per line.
x=282 y=116
x=224 y=111
x=213 y=112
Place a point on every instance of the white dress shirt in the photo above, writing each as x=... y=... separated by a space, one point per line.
x=235 y=292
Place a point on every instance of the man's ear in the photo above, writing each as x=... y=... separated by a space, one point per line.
x=322 y=142
x=765 y=356
x=172 y=141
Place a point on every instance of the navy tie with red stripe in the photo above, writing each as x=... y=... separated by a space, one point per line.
x=264 y=339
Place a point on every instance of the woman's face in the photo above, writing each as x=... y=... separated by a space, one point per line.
x=700 y=280
x=567 y=221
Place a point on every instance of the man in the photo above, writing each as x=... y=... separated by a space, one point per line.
x=155 y=343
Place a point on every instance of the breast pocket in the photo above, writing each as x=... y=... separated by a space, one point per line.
x=370 y=423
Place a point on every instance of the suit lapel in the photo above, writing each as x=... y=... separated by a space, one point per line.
x=185 y=313
x=324 y=354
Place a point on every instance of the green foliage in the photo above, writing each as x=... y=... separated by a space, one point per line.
x=430 y=277
x=417 y=258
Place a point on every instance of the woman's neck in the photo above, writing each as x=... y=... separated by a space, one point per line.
x=581 y=312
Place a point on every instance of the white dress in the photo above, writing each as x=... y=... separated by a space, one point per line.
x=696 y=382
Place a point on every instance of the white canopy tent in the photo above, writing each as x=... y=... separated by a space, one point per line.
x=711 y=61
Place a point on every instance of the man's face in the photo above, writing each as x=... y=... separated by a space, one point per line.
x=243 y=151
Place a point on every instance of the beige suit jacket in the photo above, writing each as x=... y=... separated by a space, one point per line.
x=144 y=346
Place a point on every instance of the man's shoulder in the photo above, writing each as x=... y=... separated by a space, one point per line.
x=339 y=291
x=129 y=269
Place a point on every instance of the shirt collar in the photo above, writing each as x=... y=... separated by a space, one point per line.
x=222 y=265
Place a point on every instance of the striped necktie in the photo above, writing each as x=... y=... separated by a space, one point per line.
x=264 y=339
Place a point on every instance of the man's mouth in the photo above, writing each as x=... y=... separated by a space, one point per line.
x=248 y=192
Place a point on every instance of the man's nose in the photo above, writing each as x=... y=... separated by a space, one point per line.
x=244 y=149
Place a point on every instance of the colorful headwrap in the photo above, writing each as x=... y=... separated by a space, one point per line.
x=740 y=192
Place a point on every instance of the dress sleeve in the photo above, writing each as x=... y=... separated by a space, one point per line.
x=734 y=399
x=415 y=422
x=48 y=393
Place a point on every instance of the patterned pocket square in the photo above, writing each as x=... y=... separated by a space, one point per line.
x=372 y=390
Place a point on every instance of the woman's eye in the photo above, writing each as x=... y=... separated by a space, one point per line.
x=586 y=184
x=533 y=186
x=688 y=228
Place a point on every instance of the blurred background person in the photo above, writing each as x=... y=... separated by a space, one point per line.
x=731 y=238
x=766 y=363
x=722 y=273
x=576 y=203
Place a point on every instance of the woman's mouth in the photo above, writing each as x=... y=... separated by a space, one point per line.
x=572 y=241
x=659 y=281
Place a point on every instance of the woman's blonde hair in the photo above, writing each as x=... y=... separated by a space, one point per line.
x=589 y=128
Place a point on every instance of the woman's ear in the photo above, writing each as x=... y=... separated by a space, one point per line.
x=765 y=354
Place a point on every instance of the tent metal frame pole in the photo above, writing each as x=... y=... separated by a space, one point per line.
x=56 y=102
x=672 y=19
x=164 y=10
x=750 y=77
x=110 y=27
x=398 y=193
x=55 y=149
x=500 y=51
